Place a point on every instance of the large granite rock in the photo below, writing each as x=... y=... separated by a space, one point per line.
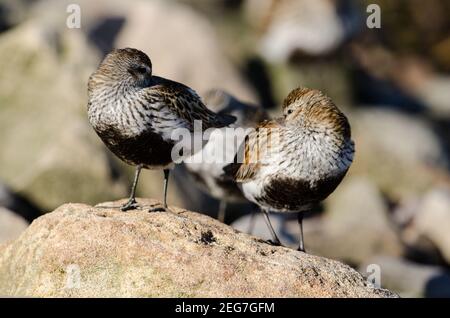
x=84 y=251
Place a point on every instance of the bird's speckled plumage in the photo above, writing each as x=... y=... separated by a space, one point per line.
x=291 y=163
x=135 y=112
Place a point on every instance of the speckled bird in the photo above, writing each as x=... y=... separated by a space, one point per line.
x=292 y=163
x=208 y=171
x=134 y=113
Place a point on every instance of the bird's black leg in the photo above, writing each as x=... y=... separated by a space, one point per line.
x=275 y=238
x=222 y=210
x=301 y=246
x=166 y=182
x=132 y=204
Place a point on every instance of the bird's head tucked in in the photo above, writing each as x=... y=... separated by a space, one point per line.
x=313 y=110
x=127 y=65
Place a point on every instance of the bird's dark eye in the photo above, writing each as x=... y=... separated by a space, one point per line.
x=289 y=111
x=141 y=69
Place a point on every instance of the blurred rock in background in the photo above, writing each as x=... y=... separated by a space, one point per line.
x=18 y=204
x=183 y=46
x=48 y=151
x=12 y=12
x=400 y=153
x=288 y=27
x=431 y=220
x=11 y=225
x=411 y=279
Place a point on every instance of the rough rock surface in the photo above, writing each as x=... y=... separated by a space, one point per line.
x=79 y=250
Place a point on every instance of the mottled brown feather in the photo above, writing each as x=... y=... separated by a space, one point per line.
x=255 y=143
x=187 y=104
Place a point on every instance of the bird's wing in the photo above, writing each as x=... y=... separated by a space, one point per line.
x=254 y=151
x=180 y=104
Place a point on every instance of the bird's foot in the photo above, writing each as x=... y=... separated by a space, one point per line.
x=301 y=249
x=159 y=209
x=274 y=242
x=130 y=205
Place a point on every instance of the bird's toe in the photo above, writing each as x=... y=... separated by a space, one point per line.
x=130 y=205
x=274 y=243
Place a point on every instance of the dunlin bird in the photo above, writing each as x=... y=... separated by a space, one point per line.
x=135 y=112
x=292 y=163
x=208 y=170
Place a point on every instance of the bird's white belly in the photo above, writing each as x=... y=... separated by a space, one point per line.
x=252 y=190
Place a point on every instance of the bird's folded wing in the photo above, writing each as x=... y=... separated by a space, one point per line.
x=254 y=151
x=181 y=104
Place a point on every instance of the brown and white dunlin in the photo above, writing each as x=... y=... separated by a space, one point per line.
x=135 y=112
x=292 y=163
